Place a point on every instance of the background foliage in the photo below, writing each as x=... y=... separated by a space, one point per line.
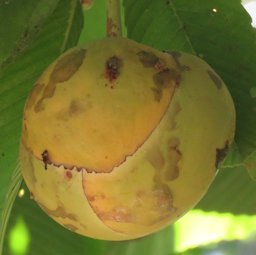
x=34 y=33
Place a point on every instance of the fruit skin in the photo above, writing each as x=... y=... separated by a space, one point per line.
x=119 y=139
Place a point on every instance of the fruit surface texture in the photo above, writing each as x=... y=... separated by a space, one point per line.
x=120 y=139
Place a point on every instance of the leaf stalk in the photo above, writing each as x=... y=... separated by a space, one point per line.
x=114 y=27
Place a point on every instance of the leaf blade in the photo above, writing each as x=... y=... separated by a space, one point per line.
x=17 y=78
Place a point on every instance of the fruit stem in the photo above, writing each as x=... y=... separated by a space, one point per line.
x=114 y=28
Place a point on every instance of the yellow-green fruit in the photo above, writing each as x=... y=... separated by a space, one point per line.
x=120 y=140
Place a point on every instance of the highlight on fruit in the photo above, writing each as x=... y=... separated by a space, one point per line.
x=120 y=140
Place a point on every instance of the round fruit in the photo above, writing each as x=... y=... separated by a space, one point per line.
x=120 y=140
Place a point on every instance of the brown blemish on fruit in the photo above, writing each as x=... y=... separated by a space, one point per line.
x=172 y=170
x=67 y=66
x=113 y=66
x=176 y=110
x=58 y=212
x=69 y=174
x=159 y=200
x=156 y=158
x=45 y=158
x=161 y=193
x=176 y=55
x=148 y=59
x=117 y=214
x=74 y=108
x=34 y=94
x=163 y=201
x=215 y=78
x=164 y=79
x=64 y=69
x=92 y=198
x=221 y=154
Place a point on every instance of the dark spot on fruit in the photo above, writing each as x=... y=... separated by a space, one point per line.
x=67 y=66
x=221 y=154
x=215 y=78
x=64 y=69
x=172 y=171
x=156 y=158
x=69 y=174
x=45 y=157
x=164 y=79
x=113 y=66
x=3 y=154
x=157 y=94
x=148 y=59
x=74 y=108
x=176 y=55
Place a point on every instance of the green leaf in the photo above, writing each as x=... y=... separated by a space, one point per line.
x=58 y=28
x=19 y=31
x=160 y=243
x=232 y=191
x=218 y=31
